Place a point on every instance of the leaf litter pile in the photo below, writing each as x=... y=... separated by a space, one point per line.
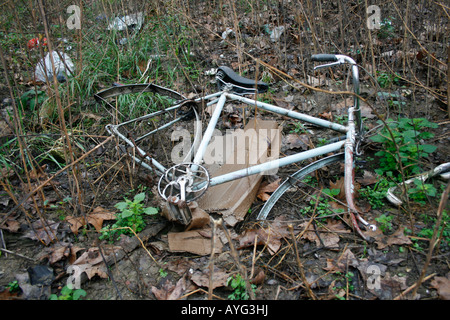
x=287 y=257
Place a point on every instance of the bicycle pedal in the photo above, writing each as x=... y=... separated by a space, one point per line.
x=179 y=210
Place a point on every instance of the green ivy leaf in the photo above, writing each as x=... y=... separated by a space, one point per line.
x=150 y=211
x=78 y=293
x=126 y=213
x=121 y=206
x=428 y=148
x=139 y=197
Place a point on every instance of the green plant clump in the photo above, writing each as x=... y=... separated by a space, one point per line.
x=130 y=216
x=376 y=194
x=421 y=191
x=33 y=98
x=408 y=135
x=13 y=286
x=237 y=283
x=68 y=293
x=385 y=80
x=385 y=222
x=323 y=206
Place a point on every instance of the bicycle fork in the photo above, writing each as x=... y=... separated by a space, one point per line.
x=349 y=176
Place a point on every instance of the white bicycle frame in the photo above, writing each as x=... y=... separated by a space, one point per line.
x=354 y=126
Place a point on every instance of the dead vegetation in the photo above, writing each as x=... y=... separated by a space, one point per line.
x=61 y=175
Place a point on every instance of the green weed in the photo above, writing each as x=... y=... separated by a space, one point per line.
x=33 y=98
x=421 y=191
x=13 y=286
x=444 y=229
x=68 y=293
x=376 y=194
x=386 y=80
x=322 y=204
x=387 y=28
x=237 y=283
x=385 y=222
x=130 y=215
x=407 y=136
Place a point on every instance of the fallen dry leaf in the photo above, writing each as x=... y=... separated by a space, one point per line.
x=340 y=184
x=180 y=266
x=163 y=292
x=270 y=236
x=442 y=285
x=383 y=241
x=296 y=141
x=326 y=115
x=329 y=233
x=45 y=232
x=368 y=178
x=90 y=270
x=95 y=218
x=91 y=262
x=201 y=278
x=10 y=225
x=99 y=215
x=59 y=251
x=341 y=264
x=169 y=291
x=259 y=278
x=266 y=188
x=38 y=172
x=7 y=295
x=399 y=238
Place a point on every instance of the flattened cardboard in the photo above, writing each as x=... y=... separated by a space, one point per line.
x=251 y=146
x=193 y=241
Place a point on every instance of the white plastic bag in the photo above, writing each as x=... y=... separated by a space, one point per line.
x=122 y=23
x=276 y=33
x=63 y=67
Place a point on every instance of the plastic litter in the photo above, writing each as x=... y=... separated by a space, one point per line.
x=63 y=67
x=442 y=170
x=35 y=43
x=276 y=33
x=41 y=275
x=226 y=34
x=135 y=21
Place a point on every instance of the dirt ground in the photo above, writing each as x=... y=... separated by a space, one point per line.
x=342 y=269
x=333 y=259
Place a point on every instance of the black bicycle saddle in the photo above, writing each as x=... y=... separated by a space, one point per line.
x=242 y=85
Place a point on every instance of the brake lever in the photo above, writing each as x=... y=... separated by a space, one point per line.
x=332 y=64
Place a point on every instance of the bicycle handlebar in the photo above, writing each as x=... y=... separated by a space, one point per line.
x=324 y=57
x=337 y=59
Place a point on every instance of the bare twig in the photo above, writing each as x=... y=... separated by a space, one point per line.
x=235 y=256
x=17 y=254
x=43 y=184
x=401 y=295
x=442 y=205
x=214 y=226
x=2 y=240
x=109 y=272
x=300 y=265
